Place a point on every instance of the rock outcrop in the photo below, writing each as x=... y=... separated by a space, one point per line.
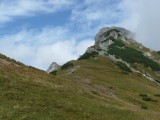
x=119 y=45
x=105 y=37
x=54 y=66
x=114 y=32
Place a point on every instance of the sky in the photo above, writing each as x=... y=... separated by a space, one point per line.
x=39 y=32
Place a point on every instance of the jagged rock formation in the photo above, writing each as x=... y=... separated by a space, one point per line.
x=120 y=46
x=115 y=32
x=54 y=66
x=105 y=37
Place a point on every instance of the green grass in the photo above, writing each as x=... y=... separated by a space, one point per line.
x=97 y=90
x=88 y=55
x=11 y=60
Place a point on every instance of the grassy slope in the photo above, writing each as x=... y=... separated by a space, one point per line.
x=94 y=89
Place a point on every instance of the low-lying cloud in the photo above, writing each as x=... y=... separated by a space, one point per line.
x=41 y=46
x=143 y=18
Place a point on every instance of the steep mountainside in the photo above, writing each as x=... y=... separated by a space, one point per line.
x=119 y=45
x=54 y=66
x=116 y=79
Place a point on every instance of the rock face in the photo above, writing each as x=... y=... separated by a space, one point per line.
x=119 y=45
x=54 y=66
x=105 y=37
x=115 y=32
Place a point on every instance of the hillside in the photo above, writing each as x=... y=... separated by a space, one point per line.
x=106 y=82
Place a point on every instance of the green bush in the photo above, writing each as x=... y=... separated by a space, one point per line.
x=123 y=67
x=67 y=65
x=158 y=52
x=157 y=80
x=99 y=49
x=146 y=98
x=54 y=72
x=144 y=107
x=131 y=55
x=157 y=95
x=143 y=95
x=88 y=55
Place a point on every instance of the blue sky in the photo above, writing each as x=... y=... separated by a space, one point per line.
x=38 y=32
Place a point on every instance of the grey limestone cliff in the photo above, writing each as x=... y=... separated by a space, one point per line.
x=54 y=66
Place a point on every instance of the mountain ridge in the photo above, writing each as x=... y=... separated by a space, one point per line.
x=119 y=45
x=94 y=87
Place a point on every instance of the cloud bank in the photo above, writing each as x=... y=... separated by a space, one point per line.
x=9 y=10
x=41 y=46
x=143 y=18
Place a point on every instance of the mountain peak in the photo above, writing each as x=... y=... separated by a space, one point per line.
x=119 y=45
x=107 y=35
x=114 y=32
x=54 y=66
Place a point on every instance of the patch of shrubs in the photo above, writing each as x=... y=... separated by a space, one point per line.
x=99 y=49
x=67 y=65
x=124 y=67
x=117 y=43
x=157 y=80
x=158 y=52
x=88 y=55
x=145 y=97
x=157 y=95
x=144 y=107
x=54 y=72
x=132 y=55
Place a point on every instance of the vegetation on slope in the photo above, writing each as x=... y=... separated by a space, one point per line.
x=88 y=55
x=67 y=65
x=124 y=67
x=10 y=60
x=131 y=55
x=96 y=91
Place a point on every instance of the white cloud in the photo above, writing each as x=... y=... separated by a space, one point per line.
x=60 y=52
x=20 y=8
x=92 y=15
x=143 y=18
x=40 y=48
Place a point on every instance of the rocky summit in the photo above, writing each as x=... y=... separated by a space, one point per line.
x=54 y=66
x=119 y=45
